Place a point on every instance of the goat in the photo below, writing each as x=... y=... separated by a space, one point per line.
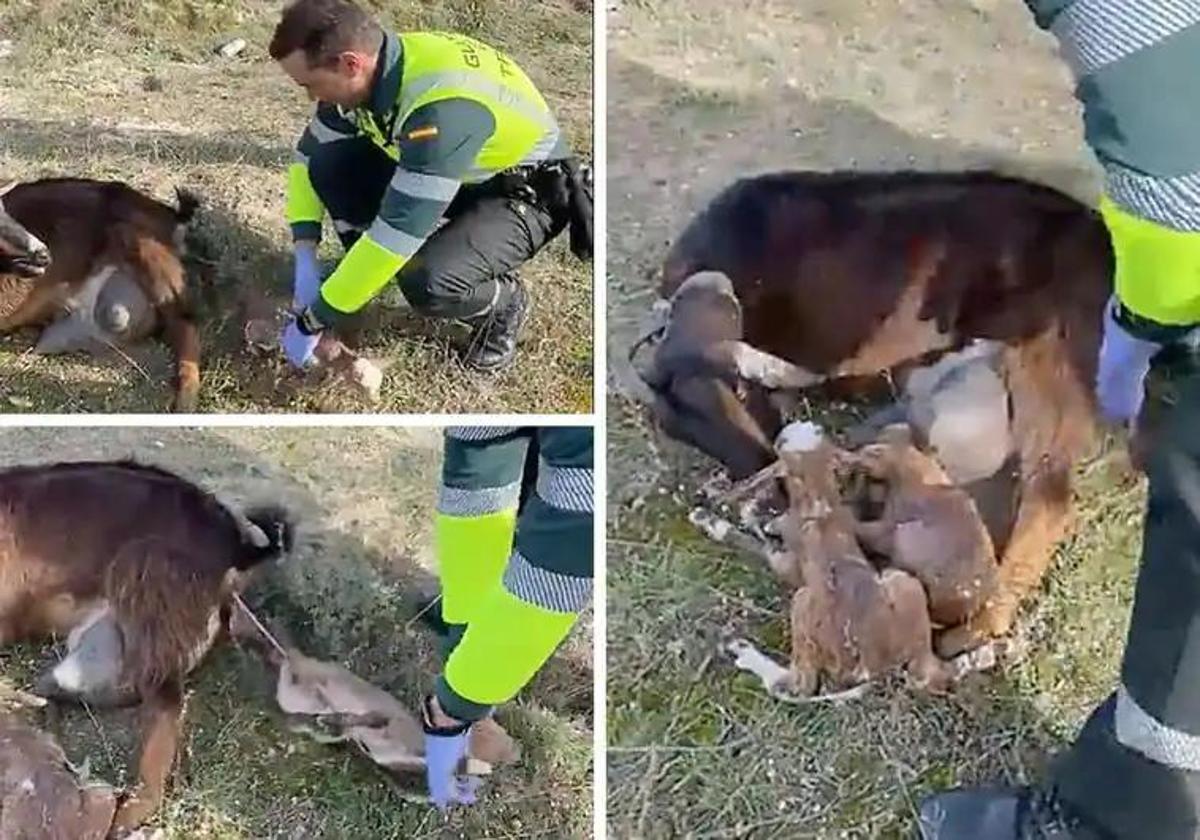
x=106 y=264
x=853 y=274
x=40 y=795
x=929 y=528
x=850 y=622
x=137 y=566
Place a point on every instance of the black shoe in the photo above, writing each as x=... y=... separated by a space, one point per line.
x=1001 y=814
x=493 y=342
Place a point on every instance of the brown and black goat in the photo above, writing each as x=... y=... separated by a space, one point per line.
x=137 y=568
x=849 y=274
x=106 y=268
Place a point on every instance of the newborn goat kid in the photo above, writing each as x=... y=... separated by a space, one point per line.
x=41 y=795
x=929 y=528
x=850 y=623
x=707 y=386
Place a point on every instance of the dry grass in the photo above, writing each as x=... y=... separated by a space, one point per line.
x=707 y=93
x=133 y=91
x=364 y=499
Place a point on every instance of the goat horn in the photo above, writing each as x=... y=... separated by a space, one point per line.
x=7 y=188
x=756 y=365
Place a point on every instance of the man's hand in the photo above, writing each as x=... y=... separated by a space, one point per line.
x=298 y=346
x=306 y=280
x=445 y=750
x=1124 y=363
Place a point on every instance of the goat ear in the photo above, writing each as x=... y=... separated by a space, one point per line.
x=6 y=187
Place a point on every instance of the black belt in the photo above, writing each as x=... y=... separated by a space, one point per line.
x=562 y=185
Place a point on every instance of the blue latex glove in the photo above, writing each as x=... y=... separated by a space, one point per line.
x=297 y=346
x=306 y=280
x=442 y=756
x=445 y=749
x=1121 y=377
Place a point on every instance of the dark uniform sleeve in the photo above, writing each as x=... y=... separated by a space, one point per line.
x=438 y=145
x=304 y=209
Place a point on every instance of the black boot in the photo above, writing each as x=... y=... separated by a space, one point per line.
x=492 y=345
x=1001 y=814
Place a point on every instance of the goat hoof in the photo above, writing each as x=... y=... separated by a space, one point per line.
x=709 y=524
x=735 y=647
x=983 y=658
x=185 y=401
x=714 y=487
x=368 y=376
x=959 y=641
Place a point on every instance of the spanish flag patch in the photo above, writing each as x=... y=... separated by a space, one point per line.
x=422 y=133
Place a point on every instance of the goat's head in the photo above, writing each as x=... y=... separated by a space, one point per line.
x=813 y=463
x=708 y=414
x=21 y=252
x=695 y=388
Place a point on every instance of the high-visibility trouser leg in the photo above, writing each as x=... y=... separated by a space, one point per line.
x=1135 y=768
x=547 y=582
x=482 y=468
x=350 y=177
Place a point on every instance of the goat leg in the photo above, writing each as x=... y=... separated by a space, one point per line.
x=160 y=744
x=910 y=613
x=363 y=374
x=184 y=338
x=39 y=305
x=723 y=531
x=752 y=485
x=1042 y=519
x=781 y=683
x=805 y=671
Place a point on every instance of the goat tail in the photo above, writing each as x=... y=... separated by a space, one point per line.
x=188 y=204
x=276 y=538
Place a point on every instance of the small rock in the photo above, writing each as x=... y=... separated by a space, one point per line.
x=6 y=48
x=231 y=48
x=152 y=83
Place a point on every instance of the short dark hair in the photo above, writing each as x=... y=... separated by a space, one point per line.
x=324 y=29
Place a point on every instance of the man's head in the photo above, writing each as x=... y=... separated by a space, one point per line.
x=329 y=48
